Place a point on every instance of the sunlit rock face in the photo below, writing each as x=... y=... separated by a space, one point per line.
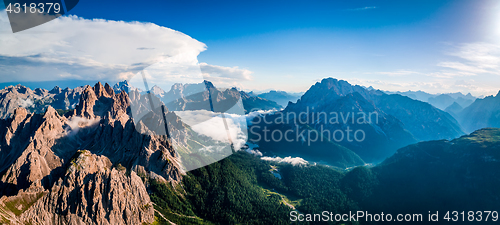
x=82 y=167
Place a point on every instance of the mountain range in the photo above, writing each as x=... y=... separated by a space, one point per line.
x=13 y=97
x=280 y=97
x=396 y=120
x=480 y=114
x=58 y=168
x=80 y=156
x=187 y=96
x=440 y=101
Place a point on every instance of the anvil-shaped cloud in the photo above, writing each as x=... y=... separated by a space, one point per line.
x=72 y=47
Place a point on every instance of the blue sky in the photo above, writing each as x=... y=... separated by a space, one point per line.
x=435 y=46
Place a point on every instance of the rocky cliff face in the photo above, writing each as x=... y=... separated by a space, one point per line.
x=81 y=168
x=91 y=192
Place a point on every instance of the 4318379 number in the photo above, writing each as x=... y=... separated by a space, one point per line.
x=34 y=8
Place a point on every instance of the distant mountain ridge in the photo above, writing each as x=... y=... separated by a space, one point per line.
x=37 y=100
x=481 y=114
x=280 y=97
x=77 y=156
x=440 y=101
x=252 y=103
x=443 y=101
x=190 y=96
x=454 y=109
x=402 y=120
x=472 y=113
x=177 y=98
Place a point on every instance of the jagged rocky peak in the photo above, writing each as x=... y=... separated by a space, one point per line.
x=331 y=89
x=342 y=87
x=31 y=142
x=121 y=102
x=209 y=84
x=52 y=124
x=50 y=180
x=91 y=183
x=177 y=86
x=36 y=100
x=56 y=90
x=101 y=90
x=124 y=86
x=86 y=106
x=19 y=89
x=39 y=91
x=50 y=112
x=101 y=101
x=20 y=113
x=157 y=91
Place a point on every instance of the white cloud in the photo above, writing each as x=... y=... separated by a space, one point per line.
x=78 y=48
x=479 y=60
x=398 y=73
x=251 y=115
x=475 y=58
x=438 y=85
x=294 y=161
x=363 y=8
x=255 y=152
x=212 y=125
x=483 y=55
x=25 y=103
x=253 y=149
x=471 y=70
x=77 y=123
x=450 y=74
x=226 y=72
x=225 y=76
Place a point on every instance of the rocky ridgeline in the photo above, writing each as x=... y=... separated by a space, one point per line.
x=91 y=192
x=82 y=167
x=37 y=100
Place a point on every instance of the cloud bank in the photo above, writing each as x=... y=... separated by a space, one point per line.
x=225 y=76
x=212 y=125
x=226 y=72
x=294 y=161
x=473 y=59
x=74 y=48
